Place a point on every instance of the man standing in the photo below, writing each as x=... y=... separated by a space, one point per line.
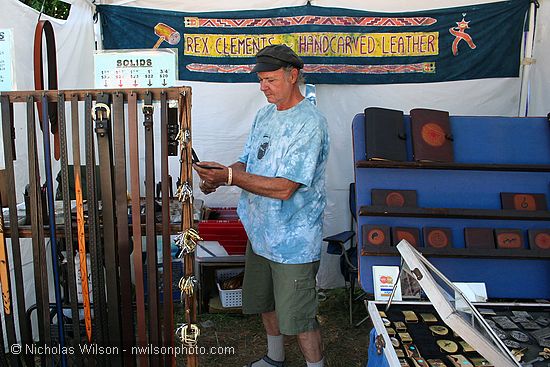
x=281 y=172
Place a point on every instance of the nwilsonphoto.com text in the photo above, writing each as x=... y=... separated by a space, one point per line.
x=94 y=349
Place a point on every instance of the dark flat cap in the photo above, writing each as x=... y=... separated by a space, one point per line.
x=274 y=57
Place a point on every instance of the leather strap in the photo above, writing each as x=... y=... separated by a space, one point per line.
x=37 y=229
x=4 y=274
x=123 y=238
x=3 y=359
x=169 y=338
x=96 y=251
x=67 y=223
x=136 y=225
x=6 y=291
x=46 y=28
x=53 y=233
x=152 y=274
x=9 y=148
x=81 y=236
x=102 y=118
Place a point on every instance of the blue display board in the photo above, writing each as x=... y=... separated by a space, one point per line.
x=477 y=140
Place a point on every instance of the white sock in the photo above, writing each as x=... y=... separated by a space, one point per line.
x=276 y=347
x=321 y=363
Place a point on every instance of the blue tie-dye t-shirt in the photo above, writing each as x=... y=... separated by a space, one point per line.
x=292 y=144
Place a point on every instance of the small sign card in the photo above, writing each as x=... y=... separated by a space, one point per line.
x=135 y=68
x=7 y=80
x=385 y=277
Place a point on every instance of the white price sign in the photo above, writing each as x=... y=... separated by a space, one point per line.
x=135 y=68
x=7 y=80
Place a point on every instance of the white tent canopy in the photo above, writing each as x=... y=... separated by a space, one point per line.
x=222 y=113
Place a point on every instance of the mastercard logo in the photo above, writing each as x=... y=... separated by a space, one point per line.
x=386 y=279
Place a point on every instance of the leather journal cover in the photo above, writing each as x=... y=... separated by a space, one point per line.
x=523 y=201
x=509 y=238
x=431 y=135
x=539 y=239
x=479 y=238
x=436 y=237
x=376 y=235
x=385 y=137
x=411 y=234
x=395 y=198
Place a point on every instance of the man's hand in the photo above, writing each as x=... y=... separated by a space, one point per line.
x=211 y=178
x=207 y=188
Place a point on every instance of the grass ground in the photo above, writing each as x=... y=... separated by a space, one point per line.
x=344 y=345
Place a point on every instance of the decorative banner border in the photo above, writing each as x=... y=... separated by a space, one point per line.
x=308 y=20
x=338 y=46
x=425 y=67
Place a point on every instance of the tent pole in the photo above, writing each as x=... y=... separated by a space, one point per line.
x=526 y=63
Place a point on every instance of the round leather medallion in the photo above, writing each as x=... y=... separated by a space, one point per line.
x=448 y=346
x=519 y=336
x=542 y=240
x=439 y=330
x=395 y=199
x=511 y=343
x=500 y=333
x=433 y=134
x=408 y=236
x=376 y=236
x=509 y=240
x=524 y=202
x=437 y=238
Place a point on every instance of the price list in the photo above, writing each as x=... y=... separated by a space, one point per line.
x=135 y=69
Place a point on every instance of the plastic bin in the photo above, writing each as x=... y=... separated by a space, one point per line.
x=232 y=297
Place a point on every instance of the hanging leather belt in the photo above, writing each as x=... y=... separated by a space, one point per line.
x=121 y=200
x=136 y=225
x=102 y=117
x=37 y=229
x=4 y=275
x=81 y=236
x=9 y=148
x=46 y=28
x=169 y=339
x=152 y=274
x=72 y=295
x=6 y=292
x=96 y=250
x=53 y=232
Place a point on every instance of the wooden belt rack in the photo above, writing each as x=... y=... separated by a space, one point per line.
x=116 y=319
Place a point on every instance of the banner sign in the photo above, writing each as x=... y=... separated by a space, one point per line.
x=338 y=46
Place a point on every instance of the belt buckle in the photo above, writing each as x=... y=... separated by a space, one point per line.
x=147 y=108
x=188 y=334
x=98 y=110
x=380 y=344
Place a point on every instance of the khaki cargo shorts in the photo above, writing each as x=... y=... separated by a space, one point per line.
x=288 y=289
